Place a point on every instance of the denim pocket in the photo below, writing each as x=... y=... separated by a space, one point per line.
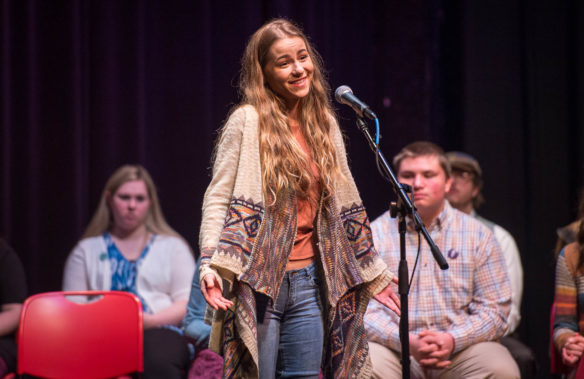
x=314 y=279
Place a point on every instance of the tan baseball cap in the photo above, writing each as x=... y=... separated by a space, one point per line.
x=465 y=162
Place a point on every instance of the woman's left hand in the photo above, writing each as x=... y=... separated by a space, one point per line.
x=171 y=315
x=572 y=350
x=213 y=293
x=388 y=298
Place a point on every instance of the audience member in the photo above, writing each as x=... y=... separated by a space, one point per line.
x=13 y=292
x=128 y=246
x=569 y=319
x=284 y=226
x=465 y=195
x=194 y=324
x=456 y=315
x=569 y=233
x=207 y=364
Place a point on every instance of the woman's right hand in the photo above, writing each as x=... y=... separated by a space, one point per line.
x=572 y=350
x=213 y=294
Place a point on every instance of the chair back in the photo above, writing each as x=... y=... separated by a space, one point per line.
x=62 y=338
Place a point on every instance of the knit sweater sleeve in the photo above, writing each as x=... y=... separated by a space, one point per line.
x=346 y=191
x=220 y=191
x=566 y=298
x=373 y=270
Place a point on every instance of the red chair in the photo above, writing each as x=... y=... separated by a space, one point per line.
x=60 y=338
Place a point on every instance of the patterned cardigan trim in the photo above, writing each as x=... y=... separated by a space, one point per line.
x=256 y=253
x=254 y=248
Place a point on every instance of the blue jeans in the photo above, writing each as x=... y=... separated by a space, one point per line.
x=291 y=331
x=193 y=324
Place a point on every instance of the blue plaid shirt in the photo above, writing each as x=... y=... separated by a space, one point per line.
x=471 y=300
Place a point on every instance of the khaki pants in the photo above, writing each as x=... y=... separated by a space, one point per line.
x=482 y=360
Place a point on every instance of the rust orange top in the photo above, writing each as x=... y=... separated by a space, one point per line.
x=305 y=247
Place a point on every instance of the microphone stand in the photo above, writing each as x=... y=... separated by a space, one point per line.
x=403 y=208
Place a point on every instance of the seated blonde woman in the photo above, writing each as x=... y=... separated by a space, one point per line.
x=128 y=246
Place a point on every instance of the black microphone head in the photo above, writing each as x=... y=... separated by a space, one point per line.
x=341 y=91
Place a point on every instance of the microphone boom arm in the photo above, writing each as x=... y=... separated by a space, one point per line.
x=399 y=190
x=404 y=207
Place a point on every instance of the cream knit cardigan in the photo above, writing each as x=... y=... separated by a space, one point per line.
x=237 y=179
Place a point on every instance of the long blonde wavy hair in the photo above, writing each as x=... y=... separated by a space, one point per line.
x=102 y=218
x=284 y=164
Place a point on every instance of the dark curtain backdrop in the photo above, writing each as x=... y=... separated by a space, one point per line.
x=87 y=86
x=520 y=107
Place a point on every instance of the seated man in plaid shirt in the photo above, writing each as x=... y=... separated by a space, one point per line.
x=456 y=315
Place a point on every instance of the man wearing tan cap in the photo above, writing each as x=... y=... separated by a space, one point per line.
x=465 y=195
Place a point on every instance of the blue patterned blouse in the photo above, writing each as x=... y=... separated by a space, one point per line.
x=124 y=272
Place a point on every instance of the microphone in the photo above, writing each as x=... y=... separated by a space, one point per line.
x=344 y=95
